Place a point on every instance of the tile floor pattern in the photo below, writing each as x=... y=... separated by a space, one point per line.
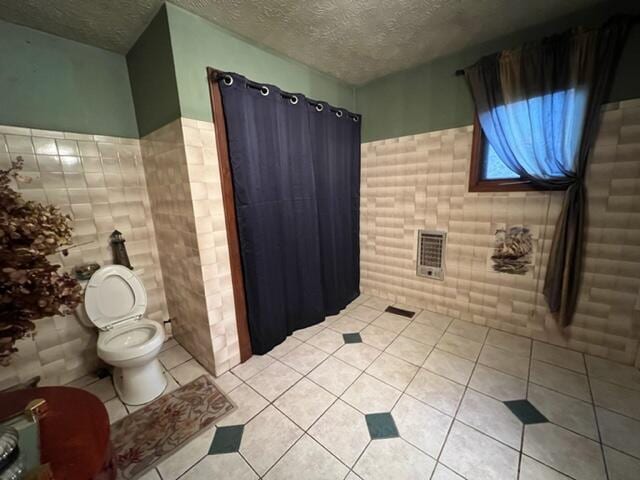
x=369 y=394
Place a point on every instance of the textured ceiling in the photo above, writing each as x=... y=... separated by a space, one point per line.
x=353 y=40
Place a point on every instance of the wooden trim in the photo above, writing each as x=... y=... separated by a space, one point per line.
x=228 y=201
x=478 y=184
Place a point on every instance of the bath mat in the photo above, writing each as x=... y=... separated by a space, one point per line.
x=148 y=435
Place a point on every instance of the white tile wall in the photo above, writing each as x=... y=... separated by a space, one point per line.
x=420 y=181
x=100 y=182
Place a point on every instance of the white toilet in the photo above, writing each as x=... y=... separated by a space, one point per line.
x=115 y=301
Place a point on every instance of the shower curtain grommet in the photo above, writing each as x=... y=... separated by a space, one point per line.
x=339 y=114
x=227 y=80
x=293 y=100
x=319 y=107
x=264 y=90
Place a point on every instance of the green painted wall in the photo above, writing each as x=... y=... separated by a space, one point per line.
x=51 y=83
x=430 y=97
x=198 y=44
x=153 y=77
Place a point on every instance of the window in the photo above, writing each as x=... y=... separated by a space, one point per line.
x=488 y=173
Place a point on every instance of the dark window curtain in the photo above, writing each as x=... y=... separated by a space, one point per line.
x=292 y=167
x=539 y=107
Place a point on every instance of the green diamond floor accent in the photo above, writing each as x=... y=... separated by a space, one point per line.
x=352 y=338
x=381 y=425
x=526 y=412
x=226 y=440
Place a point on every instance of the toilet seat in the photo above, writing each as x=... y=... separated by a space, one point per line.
x=132 y=340
x=114 y=296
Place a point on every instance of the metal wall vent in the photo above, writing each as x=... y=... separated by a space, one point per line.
x=431 y=244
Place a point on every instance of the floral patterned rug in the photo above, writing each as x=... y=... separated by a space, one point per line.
x=145 y=437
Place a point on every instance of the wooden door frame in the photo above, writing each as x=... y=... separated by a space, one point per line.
x=228 y=202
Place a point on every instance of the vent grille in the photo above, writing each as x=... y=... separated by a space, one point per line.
x=431 y=244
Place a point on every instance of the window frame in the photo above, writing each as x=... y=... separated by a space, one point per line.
x=479 y=184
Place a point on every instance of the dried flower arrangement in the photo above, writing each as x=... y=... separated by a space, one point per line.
x=31 y=287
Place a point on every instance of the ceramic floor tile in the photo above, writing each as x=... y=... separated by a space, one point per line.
x=461 y=346
x=435 y=320
x=285 y=347
x=228 y=465
x=443 y=473
x=171 y=342
x=370 y=395
x=249 y=403
x=343 y=431
x=103 y=389
x=436 y=391
x=227 y=382
x=560 y=380
x=422 y=426
x=477 y=456
x=612 y=372
x=377 y=337
x=531 y=469
x=327 y=340
x=304 y=358
x=392 y=371
x=616 y=398
x=621 y=466
x=364 y=313
x=304 y=403
x=359 y=355
x=352 y=476
x=468 y=330
x=347 y=324
x=559 y=448
x=393 y=458
x=308 y=460
x=381 y=425
x=266 y=438
x=174 y=356
x=274 y=380
x=377 y=303
x=334 y=375
x=188 y=371
x=305 y=334
x=422 y=333
x=409 y=350
x=559 y=356
x=252 y=366
x=565 y=411
x=448 y=365
x=505 y=361
x=490 y=416
x=497 y=384
x=620 y=432
x=183 y=459
x=392 y=322
x=115 y=409
x=151 y=475
x=507 y=341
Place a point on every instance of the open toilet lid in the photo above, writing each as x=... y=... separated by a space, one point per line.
x=114 y=294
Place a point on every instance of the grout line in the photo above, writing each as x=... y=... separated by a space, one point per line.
x=595 y=416
x=526 y=396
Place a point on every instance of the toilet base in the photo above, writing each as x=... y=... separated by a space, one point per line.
x=141 y=384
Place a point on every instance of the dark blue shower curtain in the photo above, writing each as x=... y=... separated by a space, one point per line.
x=296 y=174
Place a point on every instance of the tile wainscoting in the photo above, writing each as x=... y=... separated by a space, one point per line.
x=99 y=181
x=420 y=182
x=183 y=179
